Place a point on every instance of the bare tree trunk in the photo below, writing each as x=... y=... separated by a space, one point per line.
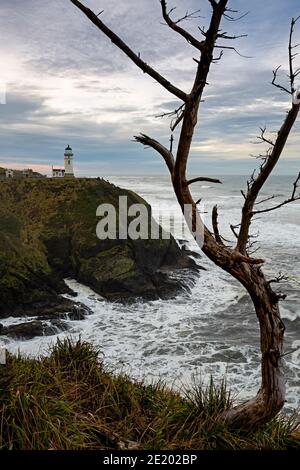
x=234 y=259
x=271 y=395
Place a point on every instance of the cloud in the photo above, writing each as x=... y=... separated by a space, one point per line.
x=67 y=83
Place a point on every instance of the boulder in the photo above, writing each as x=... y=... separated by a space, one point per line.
x=34 y=328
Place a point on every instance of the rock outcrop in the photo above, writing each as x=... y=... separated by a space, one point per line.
x=48 y=233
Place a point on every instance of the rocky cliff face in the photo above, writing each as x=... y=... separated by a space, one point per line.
x=48 y=232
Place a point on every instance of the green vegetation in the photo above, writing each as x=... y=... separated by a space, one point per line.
x=48 y=232
x=70 y=401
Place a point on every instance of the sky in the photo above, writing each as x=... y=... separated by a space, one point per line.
x=63 y=82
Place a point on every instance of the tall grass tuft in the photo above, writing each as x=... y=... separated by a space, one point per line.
x=69 y=400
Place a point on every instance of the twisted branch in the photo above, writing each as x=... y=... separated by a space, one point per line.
x=215 y=225
x=164 y=152
x=292 y=198
x=129 y=52
x=203 y=178
x=178 y=29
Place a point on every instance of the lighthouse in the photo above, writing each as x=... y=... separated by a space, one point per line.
x=69 y=172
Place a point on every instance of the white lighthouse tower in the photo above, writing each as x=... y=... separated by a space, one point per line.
x=69 y=172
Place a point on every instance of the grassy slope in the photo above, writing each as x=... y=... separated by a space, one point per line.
x=34 y=210
x=69 y=401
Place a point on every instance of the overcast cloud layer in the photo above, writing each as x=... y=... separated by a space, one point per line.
x=67 y=84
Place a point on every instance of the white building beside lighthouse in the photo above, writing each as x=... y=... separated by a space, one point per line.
x=67 y=171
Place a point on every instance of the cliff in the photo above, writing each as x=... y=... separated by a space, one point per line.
x=48 y=232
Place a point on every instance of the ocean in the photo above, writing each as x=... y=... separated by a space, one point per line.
x=210 y=329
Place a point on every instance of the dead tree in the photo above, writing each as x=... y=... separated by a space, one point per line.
x=234 y=259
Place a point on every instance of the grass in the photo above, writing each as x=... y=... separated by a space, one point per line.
x=70 y=401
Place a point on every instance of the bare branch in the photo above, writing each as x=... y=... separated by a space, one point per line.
x=280 y=278
x=224 y=35
x=178 y=113
x=266 y=169
x=293 y=198
x=277 y=85
x=171 y=113
x=232 y=18
x=171 y=143
x=215 y=225
x=272 y=156
x=262 y=137
x=251 y=242
x=251 y=180
x=252 y=252
x=216 y=59
x=164 y=152
x=295 y=185
x=234 y=50
x=178 y=29
x=188 y=16
x=266 y=199
x=262 y=156
x=132 y=55
x=233 y=227
x=293 y=74
x=203 y=178
x=177 y=121
x=202 y=31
